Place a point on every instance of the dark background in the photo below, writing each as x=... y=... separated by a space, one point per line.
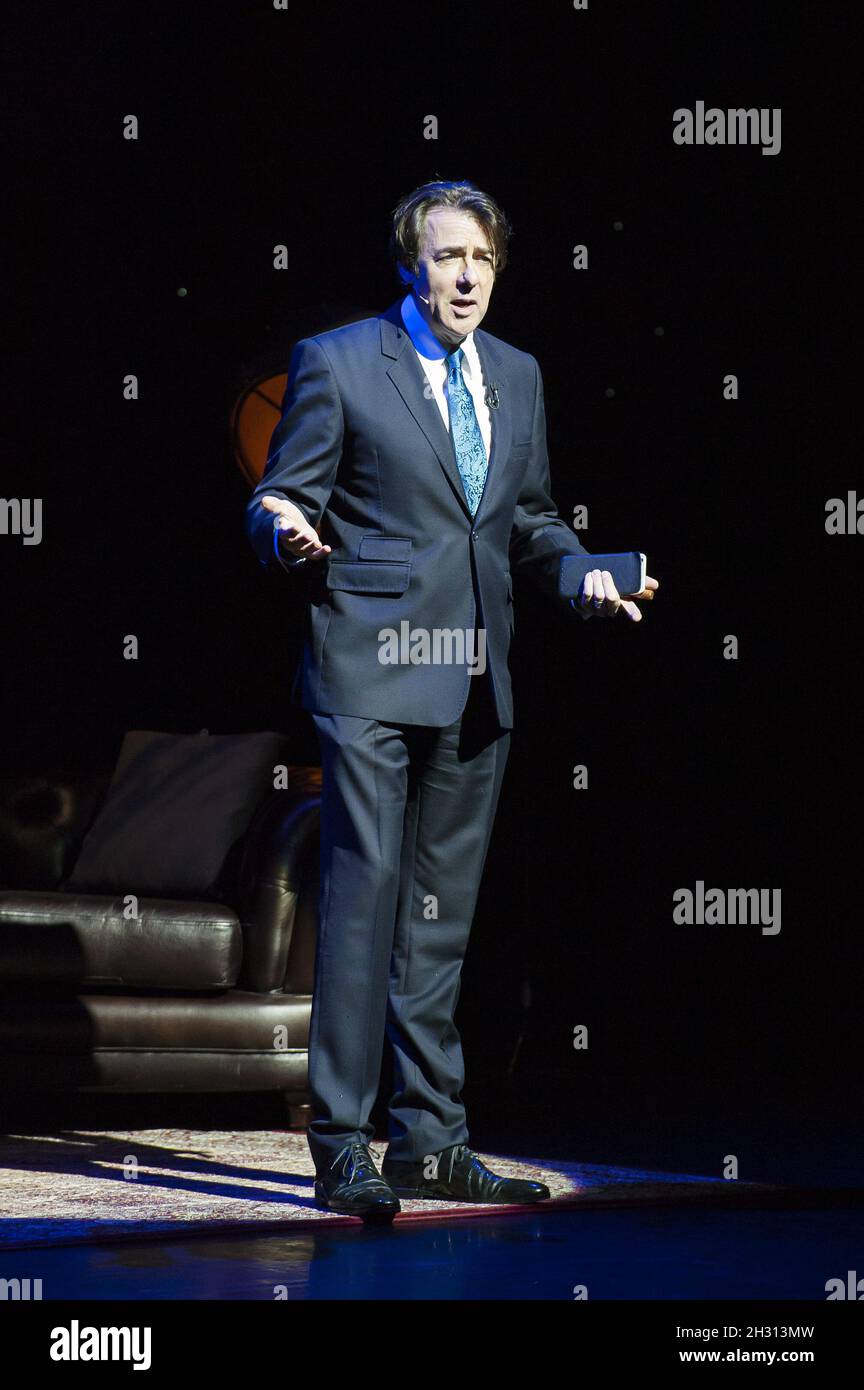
x=260 y=127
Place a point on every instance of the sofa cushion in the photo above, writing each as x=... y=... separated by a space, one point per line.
x=177 y=806
x=79 y=941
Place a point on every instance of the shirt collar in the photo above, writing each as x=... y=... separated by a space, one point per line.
x=424 y=339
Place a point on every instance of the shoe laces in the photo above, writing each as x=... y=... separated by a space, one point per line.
x=358 y=1163
x=456 y=1153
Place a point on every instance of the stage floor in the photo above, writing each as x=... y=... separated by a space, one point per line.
x=662 y=1253
x=639 y=1210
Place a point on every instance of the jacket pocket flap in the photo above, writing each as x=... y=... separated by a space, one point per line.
x=368 y=576
x=385 y=548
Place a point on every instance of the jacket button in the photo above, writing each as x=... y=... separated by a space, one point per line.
x=473 y=535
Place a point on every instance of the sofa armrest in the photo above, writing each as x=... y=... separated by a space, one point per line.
x=44 y=816
x=277 y=887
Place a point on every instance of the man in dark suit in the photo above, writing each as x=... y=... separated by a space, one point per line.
x=407 y=479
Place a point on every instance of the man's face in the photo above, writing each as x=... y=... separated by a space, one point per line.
x=455 y=274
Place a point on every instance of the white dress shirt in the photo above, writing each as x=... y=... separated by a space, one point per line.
x=431 y=355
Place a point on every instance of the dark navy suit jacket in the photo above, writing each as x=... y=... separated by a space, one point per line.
x=362 y=449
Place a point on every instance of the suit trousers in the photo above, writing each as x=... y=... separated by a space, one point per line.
x=406 y=818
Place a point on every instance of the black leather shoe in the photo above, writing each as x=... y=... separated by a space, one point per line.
x=460 y=1176
x=353 y=1185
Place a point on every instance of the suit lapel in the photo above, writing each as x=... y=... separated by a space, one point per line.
x=501 y=418
x=407 y=376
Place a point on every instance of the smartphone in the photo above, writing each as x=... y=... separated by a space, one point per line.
x=627 y=568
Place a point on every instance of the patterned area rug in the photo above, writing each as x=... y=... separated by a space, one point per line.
x=84 y=1186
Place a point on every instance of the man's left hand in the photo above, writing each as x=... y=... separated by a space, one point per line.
x=600 y=598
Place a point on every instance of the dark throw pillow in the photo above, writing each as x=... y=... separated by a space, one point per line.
x=176 y=806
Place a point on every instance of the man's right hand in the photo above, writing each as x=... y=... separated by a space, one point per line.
x=296 y=537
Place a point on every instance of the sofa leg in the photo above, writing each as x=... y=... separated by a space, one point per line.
x=299 y=1116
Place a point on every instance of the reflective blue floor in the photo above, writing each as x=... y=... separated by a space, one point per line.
x=644 y=1254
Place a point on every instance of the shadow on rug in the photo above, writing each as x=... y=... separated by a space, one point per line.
x=84 y=1186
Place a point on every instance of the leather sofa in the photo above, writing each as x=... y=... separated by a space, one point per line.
x=190 y=996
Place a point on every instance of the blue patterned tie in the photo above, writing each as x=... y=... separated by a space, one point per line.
x=465 y=432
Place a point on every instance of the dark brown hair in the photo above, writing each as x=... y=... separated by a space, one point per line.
x=409 y=219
